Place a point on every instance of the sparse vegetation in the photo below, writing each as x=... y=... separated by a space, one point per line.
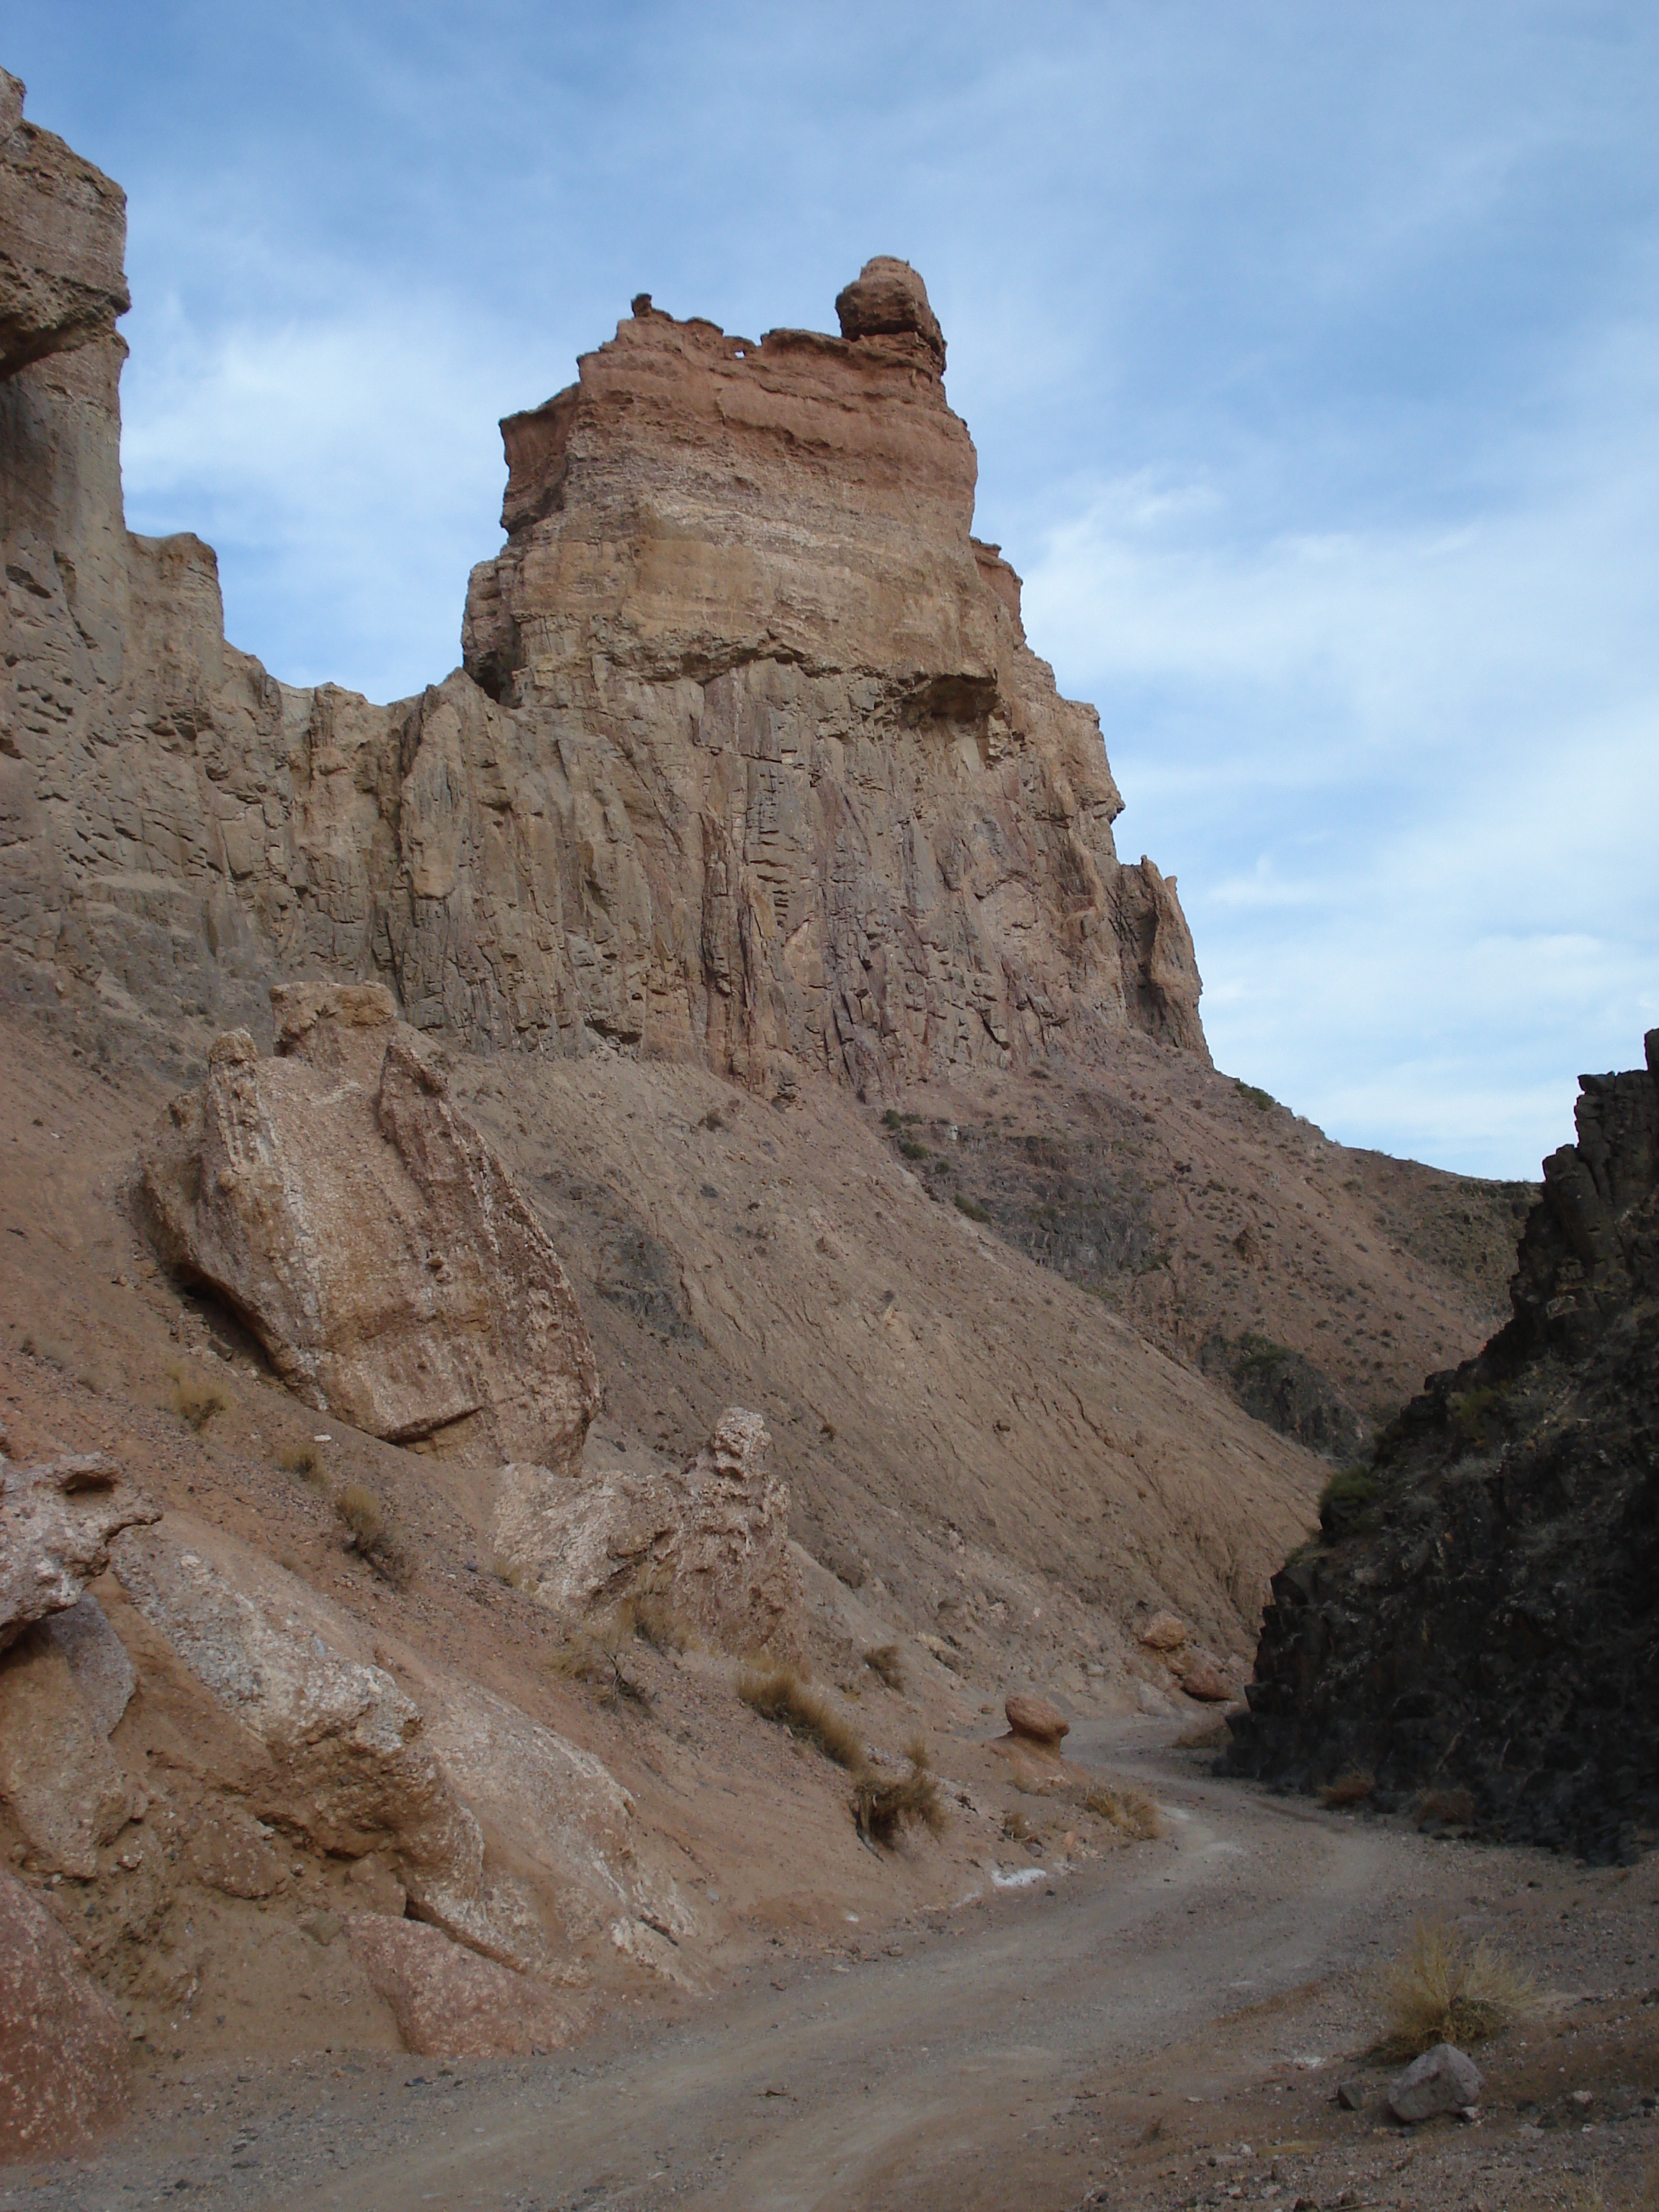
x=195 y=1401
x=1263 y=1100
x=651 y=1616
x=300 y=1460
x=778 y=1693
x=1444 y=1990
x=372 y=1534
x=1346 y=1497
x=911 y=1150
x=1476 y=1415
x=883 y=1805
x=970 y=1206
x=712 y=1120
x=594 y=1655
x=1352 y=1788
x=1449 y=1808
x=885 y=1663
x=1130 y=1811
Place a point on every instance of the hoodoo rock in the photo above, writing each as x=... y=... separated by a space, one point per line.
x=372 y=1239
x=750 y=761
x=62 y=237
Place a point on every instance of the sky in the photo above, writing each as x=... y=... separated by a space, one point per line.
x=1310 y=350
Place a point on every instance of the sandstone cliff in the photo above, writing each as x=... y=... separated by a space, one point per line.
x=1479 y=1612
x=749 y=761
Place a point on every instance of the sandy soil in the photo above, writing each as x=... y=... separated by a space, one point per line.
x=1163 y=2029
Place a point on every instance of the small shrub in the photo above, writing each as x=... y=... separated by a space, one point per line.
x=1352 y=1788
x=1261 y=1099
x=910 y=1150
x=194 y=1402
x=653 y=1620
x=301 y=1459
x=372 y=1533
x=892 y=1118
x=1476 y=1416
x=884 y=1663
x=778 y=1693
x=711 y=1119
x=1346 y=1497
x=596 y=1658
x=1131 y=1812
x=1444 y=1991
x=970 y=1206
x=1015 y=1825
x=1451 y=1808
x=884 y=1805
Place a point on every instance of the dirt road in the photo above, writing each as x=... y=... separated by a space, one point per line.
x=1042 y=2046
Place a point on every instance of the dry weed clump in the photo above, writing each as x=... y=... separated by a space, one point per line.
x=1444 y=1990
x=194 y=1402
x=596 y=1658
x=1352 y=1788
x=883 y=1805
x=1130 y=1811
x=650 y=1615
x=778 y=1693
x=886 y=1664
x=372 y=1533
x=1450 y=1808
x=301 y=1459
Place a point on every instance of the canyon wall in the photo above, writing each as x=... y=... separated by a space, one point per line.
x=749 y=760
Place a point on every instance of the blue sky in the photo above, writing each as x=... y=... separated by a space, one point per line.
x=1310 y=351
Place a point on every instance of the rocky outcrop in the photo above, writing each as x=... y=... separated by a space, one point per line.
x=1035 y=1719
x=57 y=1522
x=63 y=242
x=373 y=1240
x=708 y=1539
x=65 y=1788
x=450 y=2003
x=750 y=761
x=64 y=2047
x=1478 y=1612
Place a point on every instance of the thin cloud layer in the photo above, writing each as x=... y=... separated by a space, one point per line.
x=1309 y=352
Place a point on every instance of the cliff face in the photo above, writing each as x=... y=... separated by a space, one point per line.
x=1481 y=1609
x=749 y=760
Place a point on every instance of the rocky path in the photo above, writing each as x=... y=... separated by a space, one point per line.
x=1166 y=2029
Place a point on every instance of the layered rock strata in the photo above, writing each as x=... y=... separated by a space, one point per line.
x=374 y=1242
x=749 y=761
x=1478 y=1614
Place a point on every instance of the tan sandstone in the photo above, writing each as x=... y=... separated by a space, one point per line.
x=709 y=1538
x=63 y=239
x=376 y=1244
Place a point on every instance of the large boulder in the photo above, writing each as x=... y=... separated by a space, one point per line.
x=66 y=1788
x=56 y=1521
x=450 y=2003
x=374 y=1242
x=709 y=1539
x=63 y=239
x=64 y=2047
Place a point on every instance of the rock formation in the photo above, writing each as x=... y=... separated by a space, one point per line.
x=710 y=1539
x=63 y=2048
x=374 y=1242
x=1478 y=1612
x=749 y=761
x=63 y=242
x=57 y=1522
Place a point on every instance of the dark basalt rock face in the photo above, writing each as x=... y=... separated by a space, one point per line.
x=1480 y=1610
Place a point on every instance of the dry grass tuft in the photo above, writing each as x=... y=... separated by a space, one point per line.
x=596 y=1658
x=1131 y=1812
x=194 y=1402
x=1352 y=1788
x=1450 y=1808
x=778 y=1693
x=885 y=1663
x=651 y=1616
x=301 y=1459
x=372 y=1534
x=1445 y=1991
x=884 y=1805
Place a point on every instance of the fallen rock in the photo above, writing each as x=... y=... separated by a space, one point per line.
x=1442 y=2080
x=1164 y=1632
x=66 y=1789
x=1036 y=1718
x=97 y=1658
x=346 y=1761
x=56 y=1521
x=374 y=1242
x=450 y=2003
x=1350 y=2095
x=232 y=1852
x=709 y=1540
x=1207 y=1684
x=64 y=2047
x=63 y=242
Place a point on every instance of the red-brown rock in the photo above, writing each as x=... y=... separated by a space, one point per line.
x=64 y=2047
x=1208 y=1685
x=1036 y=1718
x=449 y=2002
